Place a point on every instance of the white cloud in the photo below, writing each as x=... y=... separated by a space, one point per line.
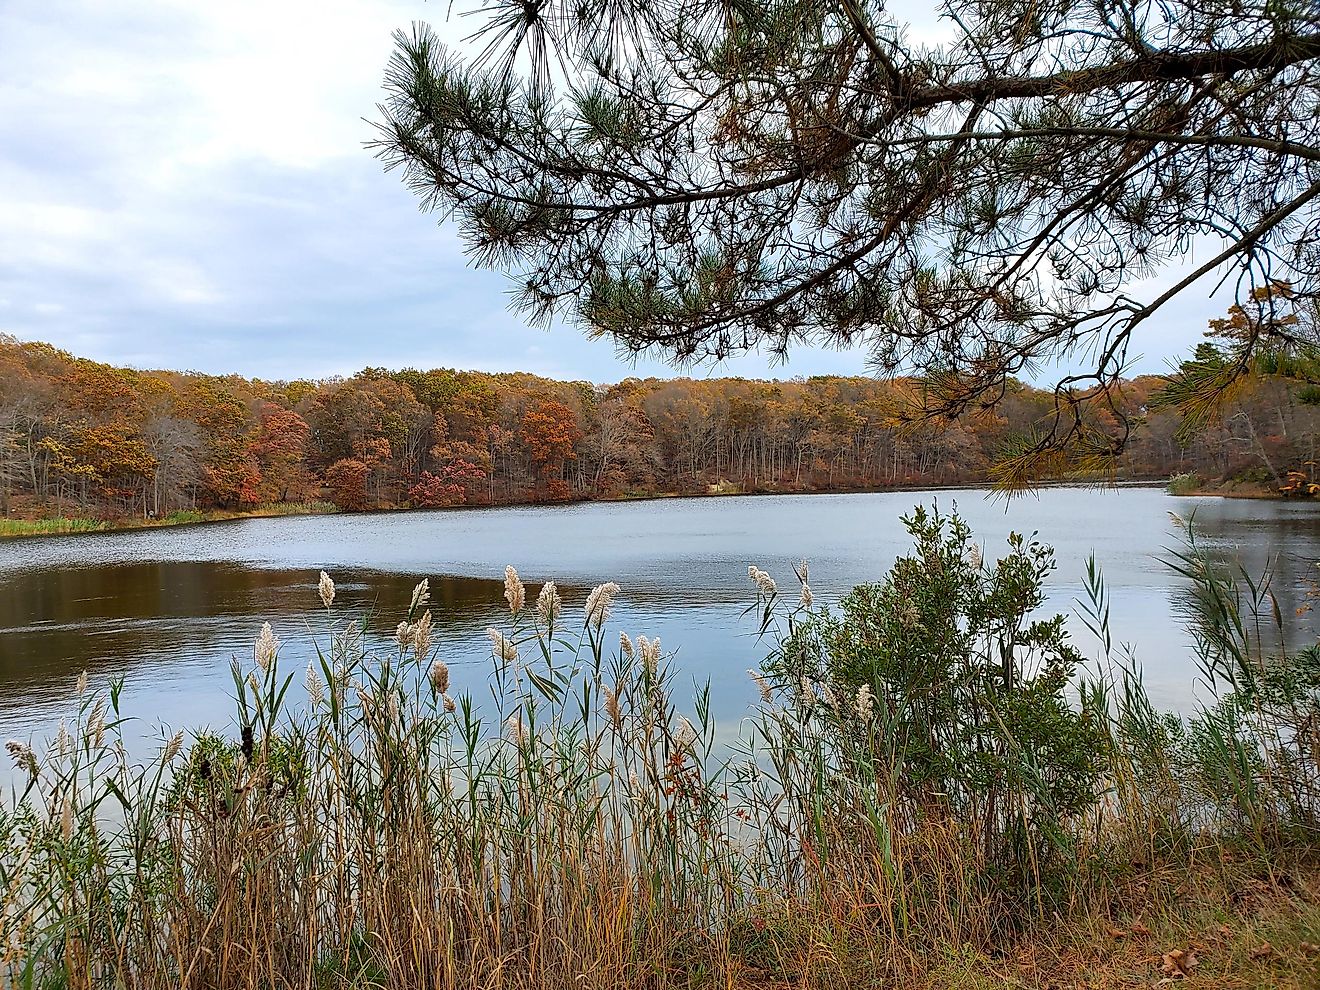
x=184 y=184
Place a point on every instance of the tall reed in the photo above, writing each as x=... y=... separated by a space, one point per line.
x=568 y=822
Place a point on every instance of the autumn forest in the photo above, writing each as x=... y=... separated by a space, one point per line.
x=79 y=438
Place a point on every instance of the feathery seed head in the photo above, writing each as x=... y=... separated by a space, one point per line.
x=762 y=684
x=865 y=703
x=649 y=651
x=439 y=676
x=449 y=705
x=96 y=723
x=514 y=592
x=599 y=602
x=326 y=589
x=403 y=635
x=23 y=757
x=513 y=726
x=421 y=637
x=421 y=596
x=267 y=646
x=172 y=748
x=503 y=647
x=686 y=733
x=82 y=683
x=548 y=605
x=315 y=689
x=765 y=584
x=831 y=698
x=612 y=706
x=626 y=646
x=807 y=598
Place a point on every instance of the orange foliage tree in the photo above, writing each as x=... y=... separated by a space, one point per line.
x=550 y=432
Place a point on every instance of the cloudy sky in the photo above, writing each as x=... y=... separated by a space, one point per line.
x=183 y=184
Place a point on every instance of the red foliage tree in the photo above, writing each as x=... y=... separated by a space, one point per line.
x=448 y=486
x=347 y=481
x=280 y=450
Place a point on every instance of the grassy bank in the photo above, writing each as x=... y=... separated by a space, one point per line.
x=40 y=527
x=61 y=525
x=935 y=789
x=1295 y=485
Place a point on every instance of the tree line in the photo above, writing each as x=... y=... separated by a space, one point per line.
x=78 y=436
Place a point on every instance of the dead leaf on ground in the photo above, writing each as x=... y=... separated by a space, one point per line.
x=1262 y=951
x=1139 y=929
x=1116 y=933
x=1179 y=963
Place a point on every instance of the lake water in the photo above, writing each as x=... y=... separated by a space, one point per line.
x=166 y=609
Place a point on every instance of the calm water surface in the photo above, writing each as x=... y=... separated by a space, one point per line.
x=167 y=609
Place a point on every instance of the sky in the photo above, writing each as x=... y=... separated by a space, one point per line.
x=185 y=185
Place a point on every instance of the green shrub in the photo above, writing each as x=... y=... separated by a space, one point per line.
x=1184 y=484
x=215 y=769
x=968 y=688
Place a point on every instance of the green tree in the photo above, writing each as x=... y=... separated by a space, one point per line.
x=1254 y=385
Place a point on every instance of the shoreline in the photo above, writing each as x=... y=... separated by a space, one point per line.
x=80 y=527
x=75 y=526
x=1228 y=490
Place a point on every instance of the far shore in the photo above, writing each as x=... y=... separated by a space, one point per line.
x=64 y=526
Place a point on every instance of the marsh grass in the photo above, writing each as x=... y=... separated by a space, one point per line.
x=569 y=822
x=35 y=527
x=183 y=517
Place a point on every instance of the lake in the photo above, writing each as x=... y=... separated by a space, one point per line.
x=166 y=609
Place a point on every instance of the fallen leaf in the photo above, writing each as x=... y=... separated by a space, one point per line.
x=1139 y=929
x=1179 y=963
x=1262 y=951
x=1116 y=933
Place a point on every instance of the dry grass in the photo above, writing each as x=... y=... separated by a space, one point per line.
x=578 y=831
